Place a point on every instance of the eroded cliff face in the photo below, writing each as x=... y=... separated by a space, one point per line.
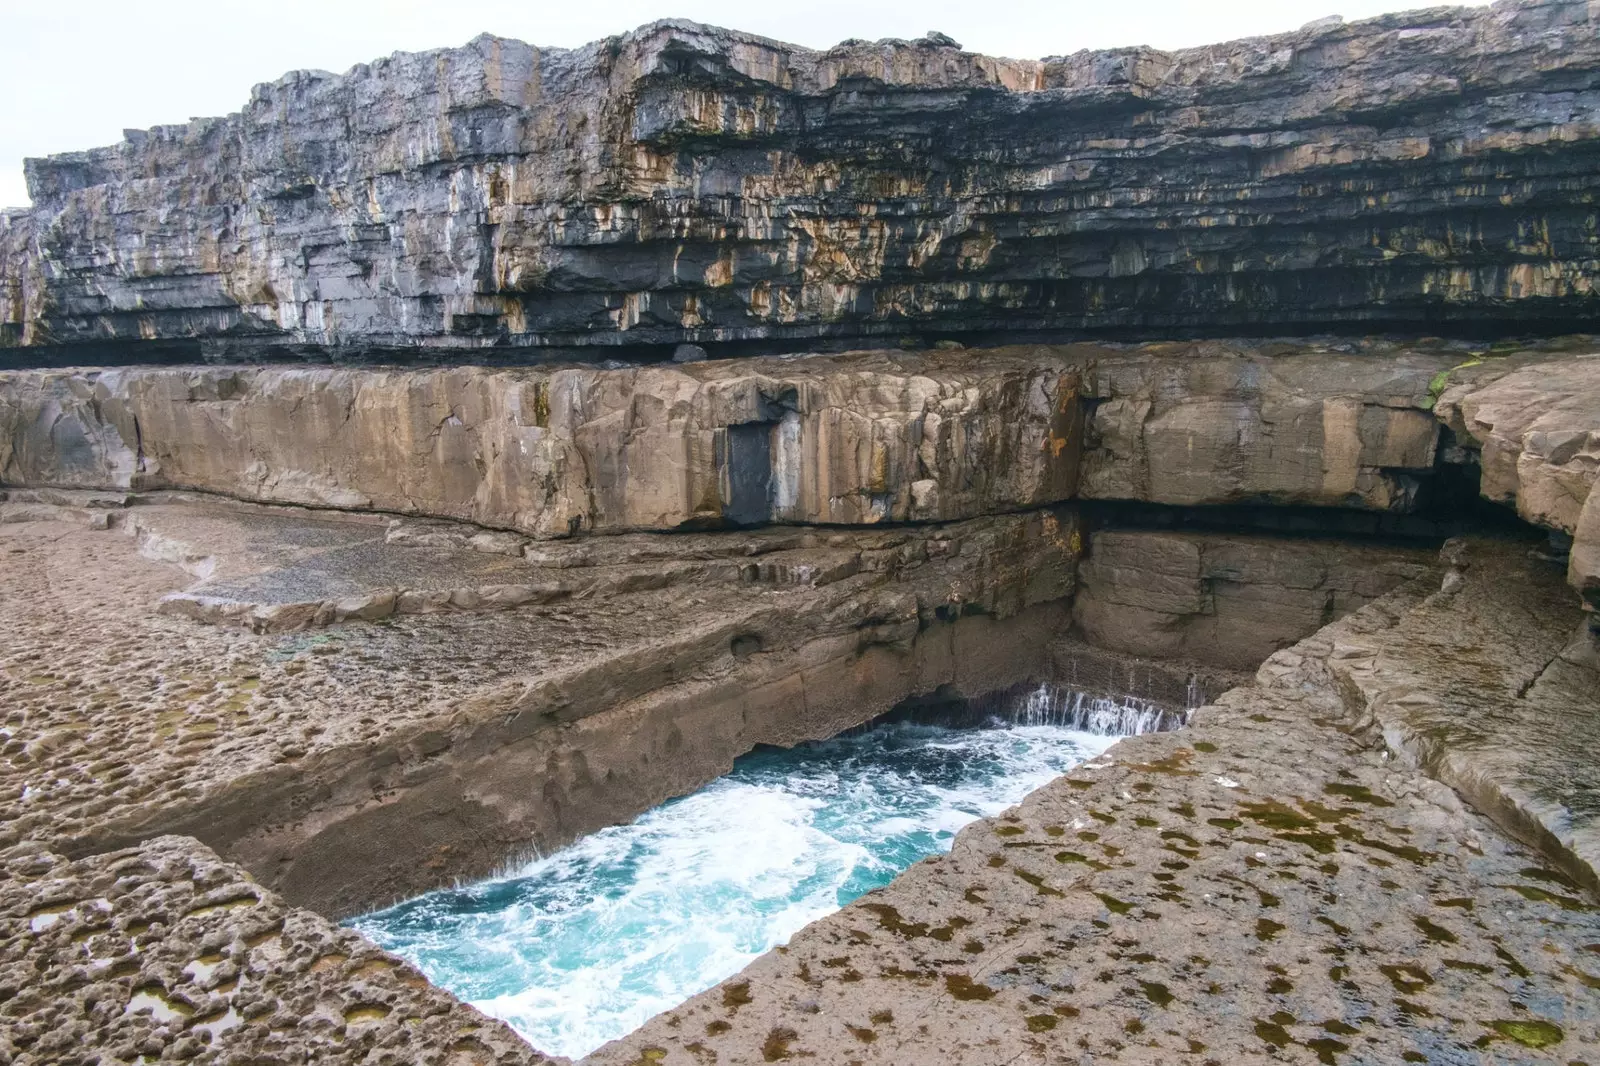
x=1375 y=427
x=683 y=183
x=846 y=441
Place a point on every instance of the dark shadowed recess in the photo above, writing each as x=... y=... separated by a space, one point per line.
x=1496 y=325
x=1447 y=505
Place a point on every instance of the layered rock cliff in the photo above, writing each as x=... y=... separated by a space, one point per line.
x=1355 y=430
x=682 y=183
x=355 y=705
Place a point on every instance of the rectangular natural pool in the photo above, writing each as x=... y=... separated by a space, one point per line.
x=583 y=946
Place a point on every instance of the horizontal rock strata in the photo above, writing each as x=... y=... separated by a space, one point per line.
x=864 y=438
x=860 y=439
x=346 y=767
x=1258 y=887
x=683 y=183
x=1227 y=601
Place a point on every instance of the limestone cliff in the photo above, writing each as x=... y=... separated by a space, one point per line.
x=852 y=439
x=683 y=183
x=832 y=440
x=863 y=438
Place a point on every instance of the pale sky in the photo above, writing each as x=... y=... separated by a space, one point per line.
x=75 y=73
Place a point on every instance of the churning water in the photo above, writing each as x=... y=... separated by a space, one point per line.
x=585 y=945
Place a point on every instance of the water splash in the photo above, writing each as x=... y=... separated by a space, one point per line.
x=585 y=945
x=1102 y=716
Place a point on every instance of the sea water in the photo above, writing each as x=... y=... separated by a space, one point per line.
x=585 y=945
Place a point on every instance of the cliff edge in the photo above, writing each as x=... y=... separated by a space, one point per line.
x=1434 y=170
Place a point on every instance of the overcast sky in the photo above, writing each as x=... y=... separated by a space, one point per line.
x=75 y=73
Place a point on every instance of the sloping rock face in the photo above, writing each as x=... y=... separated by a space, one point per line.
x=1490 y=687
x=683 y=183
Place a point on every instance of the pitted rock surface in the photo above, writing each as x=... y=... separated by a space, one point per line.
x=688 y=184
x=1262 y=886
x=165 y=953
x=348 y=765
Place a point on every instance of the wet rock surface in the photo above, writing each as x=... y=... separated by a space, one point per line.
x=1263 y=886
x=165 y=953
x=688 y=184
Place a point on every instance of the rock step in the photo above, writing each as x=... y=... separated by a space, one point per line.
x=1490 y=685
x=1261 y=886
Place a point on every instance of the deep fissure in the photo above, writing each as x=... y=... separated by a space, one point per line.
x=580 y=947
x=667 y=488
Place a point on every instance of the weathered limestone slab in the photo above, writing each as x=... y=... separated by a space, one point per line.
x=166 y=953
x=1492 y=685
x=863 y=439
x=1258 y=887
x=277 y=569
x=684 y=183
x=1332 y=425
x=351 y=765
x=284 y=569
x=1536 y=429
x=1226 y=600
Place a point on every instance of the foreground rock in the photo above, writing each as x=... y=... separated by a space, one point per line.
x=1261 y=886
x=684 y=183
x=1490 y=686
x=349 y=766
x=165 y=953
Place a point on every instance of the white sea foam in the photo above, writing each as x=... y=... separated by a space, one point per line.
x=585 y=945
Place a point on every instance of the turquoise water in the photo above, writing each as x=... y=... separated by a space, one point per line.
x=585 y=945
